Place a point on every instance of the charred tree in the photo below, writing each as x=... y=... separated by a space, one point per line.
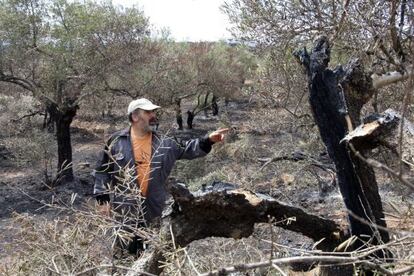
x=336 y=98
x=178 y=114
x=63 y=118
x=232 y=213
x=47 y=121
x=205 y=105
x=190 y=119
x=214 y=105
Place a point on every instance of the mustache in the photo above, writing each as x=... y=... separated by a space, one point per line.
x=153 y=121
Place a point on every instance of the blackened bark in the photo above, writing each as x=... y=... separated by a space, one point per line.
x=47 y=121
x=179 y=119
x=63 y=119
x=178 y=114
x=233 y=213
x=214 y=105
x=334 y=95
x=190 y=119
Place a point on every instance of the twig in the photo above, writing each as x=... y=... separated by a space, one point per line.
x=295 y=157
x=177 y=262
x=378 y=165
x=289 y=260
x=113 y=266
x=327 y=260
x=28 y=115
x=54 y=264
x=191 y=262
x=279 y=269
x=405 y=103
x=404 y=270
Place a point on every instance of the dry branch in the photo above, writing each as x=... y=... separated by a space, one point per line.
x=232 y=213
x=380 y=81
x=329 y=260
x=384 y=129
x=320 y=162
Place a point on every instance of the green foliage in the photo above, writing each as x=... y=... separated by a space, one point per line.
x=63 y=51
x=59 y=48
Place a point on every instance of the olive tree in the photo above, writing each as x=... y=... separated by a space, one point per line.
x=221 y=71
x=60 y=51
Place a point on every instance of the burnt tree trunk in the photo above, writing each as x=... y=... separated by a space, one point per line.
x=63 y=119
x=205 y=105
x=214 y=105
x=47 y=121
x=190 y=119
x=336 y=98
x=178 y=114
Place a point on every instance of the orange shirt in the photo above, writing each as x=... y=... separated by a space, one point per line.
x=141 y=147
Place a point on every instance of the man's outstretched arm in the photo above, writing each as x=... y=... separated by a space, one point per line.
x=202 y=146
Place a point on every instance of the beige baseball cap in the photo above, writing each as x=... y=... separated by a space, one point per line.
x=141 y=103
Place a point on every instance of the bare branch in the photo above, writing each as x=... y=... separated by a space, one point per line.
x=329 y=260
x=380 y=81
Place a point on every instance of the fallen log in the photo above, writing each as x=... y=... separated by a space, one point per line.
x=232 y=213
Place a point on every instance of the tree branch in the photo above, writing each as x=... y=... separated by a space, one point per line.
x=380 y=81
x=233 y=213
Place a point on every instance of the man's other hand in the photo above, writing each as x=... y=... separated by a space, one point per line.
x=218 y=135
x=104 y=209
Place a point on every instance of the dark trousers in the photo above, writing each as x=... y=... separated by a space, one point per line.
x=134 y=247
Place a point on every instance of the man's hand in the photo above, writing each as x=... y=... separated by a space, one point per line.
x=104 y=209
x=218 y=135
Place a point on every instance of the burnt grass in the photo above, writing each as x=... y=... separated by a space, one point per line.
x=271 y=132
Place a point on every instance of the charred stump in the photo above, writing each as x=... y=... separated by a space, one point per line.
x=336 y=98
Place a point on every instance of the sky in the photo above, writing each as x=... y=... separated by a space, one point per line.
x=187 y=20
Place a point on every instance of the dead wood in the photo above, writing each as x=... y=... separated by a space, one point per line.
x=336 y=98
x=323 y=162
x=232 y=213
x=384 y=129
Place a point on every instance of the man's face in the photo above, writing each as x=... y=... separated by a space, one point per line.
x=145 y=119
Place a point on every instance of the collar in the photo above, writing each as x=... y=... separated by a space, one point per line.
x=126 y=132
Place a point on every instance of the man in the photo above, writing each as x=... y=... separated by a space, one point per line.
x=135 y=166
